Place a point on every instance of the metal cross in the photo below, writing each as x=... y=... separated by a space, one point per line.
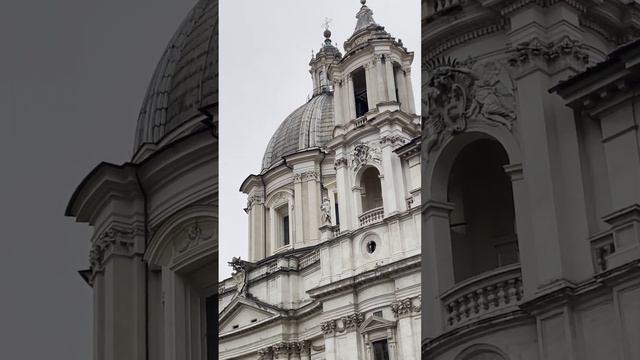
x=326 y=23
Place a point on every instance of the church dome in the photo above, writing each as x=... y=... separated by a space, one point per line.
x=309 y=126
x=184 y=85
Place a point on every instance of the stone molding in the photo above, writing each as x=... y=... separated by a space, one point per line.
x=439 y=48
x=548 y=52
x=343 y=324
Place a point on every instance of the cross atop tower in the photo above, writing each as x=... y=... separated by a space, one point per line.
x=326 y=23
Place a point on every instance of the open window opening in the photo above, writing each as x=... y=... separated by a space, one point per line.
x=212 y=326
x=380 y=350
x=335 y=201
x=360 y=92
x=371 y=189
x=482 y=223
x=282 y=225
x=397 y=71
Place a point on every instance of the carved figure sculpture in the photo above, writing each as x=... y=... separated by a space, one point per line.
x=325 y=211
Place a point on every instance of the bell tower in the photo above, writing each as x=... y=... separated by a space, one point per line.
x=322 y=62
x=374 y=72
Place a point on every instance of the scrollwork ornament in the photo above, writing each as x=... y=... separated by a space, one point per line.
x=404 y=307
x=328 y=327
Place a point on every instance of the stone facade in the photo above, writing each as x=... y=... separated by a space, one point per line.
x=555 y=274
x=334 y=217
x=153 y=258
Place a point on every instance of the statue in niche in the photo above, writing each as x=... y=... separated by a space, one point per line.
x=325 y=212
x=458 y=93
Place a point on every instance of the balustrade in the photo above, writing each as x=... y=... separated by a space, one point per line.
x=309 y=259
x=488 y=293
x=335 y=232
x=371 y=216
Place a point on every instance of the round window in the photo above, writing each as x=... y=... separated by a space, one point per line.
x=371 y=247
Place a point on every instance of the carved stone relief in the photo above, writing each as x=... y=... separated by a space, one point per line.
x=283 y=349
x=306 y=175
x=194 y=234
x=193 y=237
x=549 y=52
x=366 y=154
x=406 y=306
x=112 y=240
x=340 y=325
x=459 y=93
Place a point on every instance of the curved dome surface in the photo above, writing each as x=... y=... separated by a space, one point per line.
x=185 y=82
x=310 y=125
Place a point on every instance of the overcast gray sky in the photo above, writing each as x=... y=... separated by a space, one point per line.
x=72 y=77
x=265 y=48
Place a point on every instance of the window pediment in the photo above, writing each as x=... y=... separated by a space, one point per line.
x=375 y=324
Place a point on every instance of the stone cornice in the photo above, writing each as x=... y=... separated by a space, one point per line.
x=453 y=38
x=365 y=278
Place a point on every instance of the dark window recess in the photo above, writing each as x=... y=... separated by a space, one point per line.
x=396 y=72
x=236 y=326
x=377 y=314
x=212 y=327
x=360 y=91
x=380 y=350
x=254 y=320
x=371 y=247
x=335 y=201
x=285 y=229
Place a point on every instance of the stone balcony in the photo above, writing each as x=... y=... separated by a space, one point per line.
x=487 y=294
x=371 y=216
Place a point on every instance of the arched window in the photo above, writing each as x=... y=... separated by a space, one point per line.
x=371 y=190
x=482 y=222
